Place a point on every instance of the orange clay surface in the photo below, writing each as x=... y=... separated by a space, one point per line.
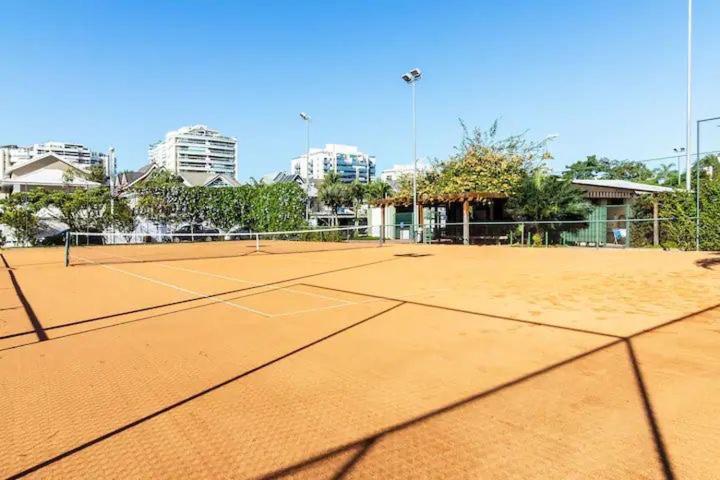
x=459 y=362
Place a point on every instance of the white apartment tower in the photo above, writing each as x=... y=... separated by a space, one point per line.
x=347 y=160
x=196 y=149
x=76 y=154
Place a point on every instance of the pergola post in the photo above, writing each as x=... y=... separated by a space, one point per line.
x=420 y=225
x=466 y=222
x=382 y=223
x=656 y=223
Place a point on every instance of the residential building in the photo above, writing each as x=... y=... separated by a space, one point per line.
x=196 y=149
x=391 y=175
x=47 y=171
x=73 y=153
x=347 y=160
x=190 y=179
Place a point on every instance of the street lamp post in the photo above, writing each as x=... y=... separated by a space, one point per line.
x=697 y=179
x=411 y=79
x=111 y=177
x=688 y=132
x=306 y=118
x=679 y=150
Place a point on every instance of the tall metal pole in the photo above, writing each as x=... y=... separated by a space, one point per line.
x=697 y=188
x=688 y=132
x=307 y=168
x=111 y=174
x=416 y=221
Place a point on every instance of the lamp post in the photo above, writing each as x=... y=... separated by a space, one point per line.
x=688 y=132
x=411 y=78
x=111 y=177
x=679 y=150
x=697 y=180
x=306 y=118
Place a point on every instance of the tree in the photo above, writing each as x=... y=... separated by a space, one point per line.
x=588 y=169
x=333 y=193
x=356 y=193
x=666 y=175
x=603 y=168
x=19 y=212
x=482 y=162
x=96 y=173
x=542 y=197
x=86 y=210
x=377 y=190
x=158 y=196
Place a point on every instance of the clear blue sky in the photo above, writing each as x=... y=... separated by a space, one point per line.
x=607 y=75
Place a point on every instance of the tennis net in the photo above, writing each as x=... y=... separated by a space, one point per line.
x=87 y=248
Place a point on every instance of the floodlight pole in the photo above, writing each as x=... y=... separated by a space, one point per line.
x=697 y=180
x=688 y=132
x=307 y=168
x=111 y=175
x=416 y=220
x=306 y=118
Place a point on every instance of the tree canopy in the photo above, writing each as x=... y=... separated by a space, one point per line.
x=482 y=162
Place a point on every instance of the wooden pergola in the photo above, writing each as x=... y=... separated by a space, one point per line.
x=425 y=200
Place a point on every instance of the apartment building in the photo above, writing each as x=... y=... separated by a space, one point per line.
x=347 y=160
x=73 y=153
x=196 y=149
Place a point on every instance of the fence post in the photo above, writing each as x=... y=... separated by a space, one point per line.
x=466 y=222
x=597 y=233
x=67 y=248
x=522 y=234
x=382 y=224
x=656 y=224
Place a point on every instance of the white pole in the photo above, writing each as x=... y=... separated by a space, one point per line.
x=688 y=132
x=111 y=174
x=414 y=153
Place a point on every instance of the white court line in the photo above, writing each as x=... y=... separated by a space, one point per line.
x=181 y=289
x=235 y=279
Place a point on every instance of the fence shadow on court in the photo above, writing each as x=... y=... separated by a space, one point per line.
x=195 y=396
x=709 y=263
x=176 y=303
x=362 y=446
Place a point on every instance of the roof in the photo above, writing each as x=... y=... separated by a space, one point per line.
x=441 y=199
x=275 y=177
x=624 y=185
x=204 y=179
x=138 y=176
x=47 y=170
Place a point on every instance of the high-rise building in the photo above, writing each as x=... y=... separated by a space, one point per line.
x=76 y=154
x=196 y=149
x=347 y=160
x=392 y=175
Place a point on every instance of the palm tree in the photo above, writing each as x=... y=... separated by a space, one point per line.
x=356 y=193
x=543 y=198
x=333 y=193
x=665 y=174
x=377 y=190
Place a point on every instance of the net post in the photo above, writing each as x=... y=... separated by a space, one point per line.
x=67 y=248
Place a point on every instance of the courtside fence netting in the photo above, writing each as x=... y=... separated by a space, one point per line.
x=128 y=247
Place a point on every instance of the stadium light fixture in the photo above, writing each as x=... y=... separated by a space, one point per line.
x=306 y=118
x=411 y=78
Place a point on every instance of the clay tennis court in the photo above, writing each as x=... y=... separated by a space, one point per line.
x=395 y=362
